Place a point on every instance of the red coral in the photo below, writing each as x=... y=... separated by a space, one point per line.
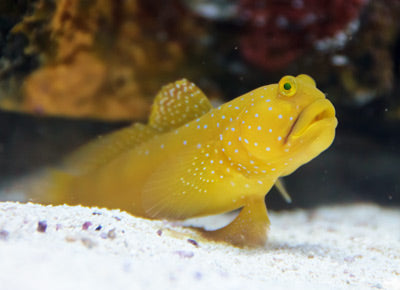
x=277 y=32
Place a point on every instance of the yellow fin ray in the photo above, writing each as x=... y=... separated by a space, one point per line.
x=177 y=104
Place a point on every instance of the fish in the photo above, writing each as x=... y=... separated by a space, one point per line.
x=191 y=159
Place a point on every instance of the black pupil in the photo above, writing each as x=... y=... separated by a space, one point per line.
x=287 y=86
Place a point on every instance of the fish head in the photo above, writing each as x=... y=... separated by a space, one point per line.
x=288 y=124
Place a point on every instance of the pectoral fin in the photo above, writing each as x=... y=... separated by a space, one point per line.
x=249 y=228
x=176 y=190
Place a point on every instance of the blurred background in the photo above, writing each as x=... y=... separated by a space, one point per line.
x=71 y=70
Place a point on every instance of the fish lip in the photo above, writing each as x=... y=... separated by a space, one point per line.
x=320 y=111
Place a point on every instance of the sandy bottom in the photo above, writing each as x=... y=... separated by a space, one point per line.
x=63 y=247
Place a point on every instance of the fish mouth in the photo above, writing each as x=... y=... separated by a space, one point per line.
x=320 y=112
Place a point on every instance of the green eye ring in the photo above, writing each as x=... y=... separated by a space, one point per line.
x=287 y=86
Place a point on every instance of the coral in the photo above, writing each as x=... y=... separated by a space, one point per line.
x=278 y=32
x=370 y=71
x=107 y=59
x=101 y=58
x=51 y=87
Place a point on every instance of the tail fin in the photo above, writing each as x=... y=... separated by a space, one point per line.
x=51 y=187
x=60 y=182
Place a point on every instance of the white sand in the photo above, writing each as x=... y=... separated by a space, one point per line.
x=342 y=247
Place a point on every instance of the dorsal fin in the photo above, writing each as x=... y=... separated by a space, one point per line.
x=177 y=104
x=105 y=148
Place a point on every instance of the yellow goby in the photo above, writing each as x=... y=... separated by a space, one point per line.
x=194 y=160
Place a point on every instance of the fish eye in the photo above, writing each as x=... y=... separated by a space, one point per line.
x=287 y=86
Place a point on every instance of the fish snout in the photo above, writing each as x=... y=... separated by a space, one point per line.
x=319 y=113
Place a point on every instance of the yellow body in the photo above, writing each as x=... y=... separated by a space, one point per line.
x=193 y=160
